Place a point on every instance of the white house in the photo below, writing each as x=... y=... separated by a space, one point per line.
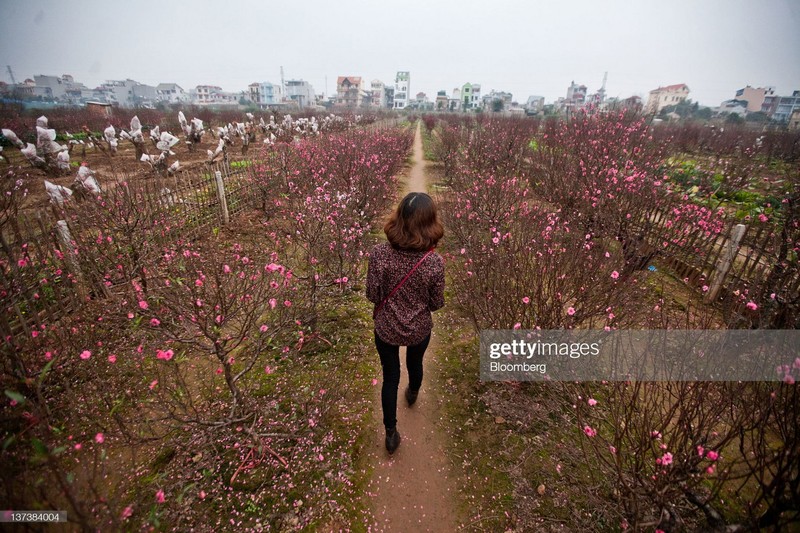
x=666 y=96
x=402 y=89
x=171 y=93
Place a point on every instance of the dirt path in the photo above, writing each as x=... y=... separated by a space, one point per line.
x=411 y=490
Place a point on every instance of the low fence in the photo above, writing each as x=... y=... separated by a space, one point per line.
x=182 y=207
x=742 y=263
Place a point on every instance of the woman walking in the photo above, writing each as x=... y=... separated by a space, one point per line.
x=405 y=281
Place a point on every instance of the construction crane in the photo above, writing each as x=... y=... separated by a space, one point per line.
x=11 y=73
x=283 y=87
x=601 y=94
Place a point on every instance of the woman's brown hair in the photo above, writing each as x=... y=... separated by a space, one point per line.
x=414 y=225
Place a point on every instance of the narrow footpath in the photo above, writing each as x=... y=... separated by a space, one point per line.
x=411 y=490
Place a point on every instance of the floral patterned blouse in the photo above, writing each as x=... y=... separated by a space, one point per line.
x=405 y=319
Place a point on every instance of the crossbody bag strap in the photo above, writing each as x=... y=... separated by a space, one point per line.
x=397 y=288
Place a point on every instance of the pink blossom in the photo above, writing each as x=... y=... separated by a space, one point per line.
x=526 y=300
x=712 y=455
x=666 y=459
x=272 y=303
x=99 y=438
x=143 y=304
x=202 y=495
x=592 y=402
x=287 y=303
x=219 y=371
x=263 y=328
x=612 y=449
x=700 y=451
x=517 y=325
x=166 y=355
x=710 y=469
x=226 y=269
x=160 y=496
x=269 y=369
x=153 y=384
x=614 y=275
x=198 y=283
x=86 y=354
x=126 y=513
x=374 y=382
x=571 y=311
x=589 y=431
x=752 y=305
x=788 y=379
x=155 y=322
x=112 y=358
x=78 y=446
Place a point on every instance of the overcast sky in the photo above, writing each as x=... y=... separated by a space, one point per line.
x=525 y=47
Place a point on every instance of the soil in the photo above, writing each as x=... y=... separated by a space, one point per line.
x=413 y=489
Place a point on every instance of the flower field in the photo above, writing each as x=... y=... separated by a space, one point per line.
x=593 y=224
x=190 y=347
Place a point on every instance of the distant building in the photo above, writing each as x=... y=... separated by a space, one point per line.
x=388 y=91
x=349 y=91
x=421 y=102
x=785 y=106
x=204 y=94
x=632 y=103
x=666 y=96
x=505 y=99
x=794 y=120
x=754 y=97
x=212 y=95
x=738 y=107
x=470 y=96
x=378 y=90
x=171 y=93
x=534 y=105
x=144 y=95
x=63 y=89
x=442 y=101
x=56 y=86
x=300 y=92
x=576 y=98
x=118 y=92
x=455 y=103
x=402 y=89
x=264 y=94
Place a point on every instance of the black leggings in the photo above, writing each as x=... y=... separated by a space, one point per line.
x=390 y=361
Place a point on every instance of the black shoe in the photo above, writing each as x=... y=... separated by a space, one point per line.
x=392 y=440
x=411 y=396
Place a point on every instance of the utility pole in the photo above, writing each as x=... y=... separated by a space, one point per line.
x=11 y=73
